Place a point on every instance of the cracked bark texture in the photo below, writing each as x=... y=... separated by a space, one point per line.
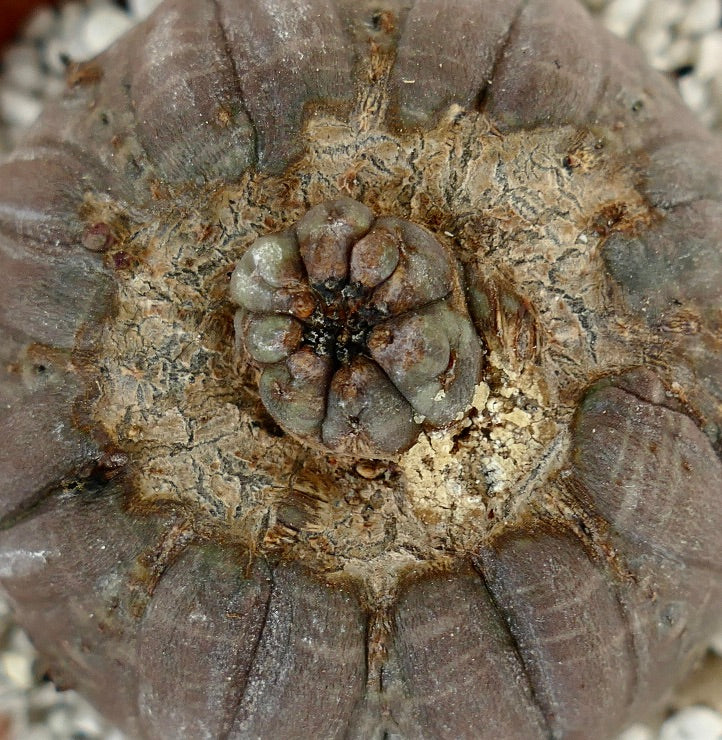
x=547 y=566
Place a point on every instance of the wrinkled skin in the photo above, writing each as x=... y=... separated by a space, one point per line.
x=582 y=600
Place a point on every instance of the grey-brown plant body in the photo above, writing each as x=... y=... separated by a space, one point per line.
x=265 y=472
x=353 y=321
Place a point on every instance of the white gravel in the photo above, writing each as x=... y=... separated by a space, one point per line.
x=680 y=37
x=33 y=68
x=692 y=723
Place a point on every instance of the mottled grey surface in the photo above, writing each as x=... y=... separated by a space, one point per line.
x=409 y=609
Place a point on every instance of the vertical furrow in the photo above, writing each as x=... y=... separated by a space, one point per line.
x=240 y=102
x=457 y=671
x=289 y=56
x=308 y=671
x=518 y=653
x=571 y=636
x=198 y=642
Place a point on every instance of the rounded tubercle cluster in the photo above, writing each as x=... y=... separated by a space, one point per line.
x=359 y=327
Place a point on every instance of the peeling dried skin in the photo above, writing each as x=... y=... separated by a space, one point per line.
x=501 y=448
x=160 y=528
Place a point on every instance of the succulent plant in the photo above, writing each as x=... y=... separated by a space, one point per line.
x=361 y=327
x=361 y=374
